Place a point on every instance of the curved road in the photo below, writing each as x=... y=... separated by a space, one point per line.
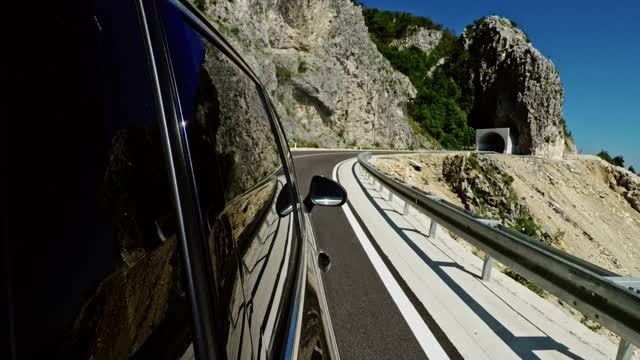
x=366 y=321
x=395 y=293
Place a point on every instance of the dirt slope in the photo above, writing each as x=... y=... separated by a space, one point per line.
x=572 y=199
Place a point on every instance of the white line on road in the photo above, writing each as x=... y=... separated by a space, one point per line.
x=326 y=153
x=426 y=339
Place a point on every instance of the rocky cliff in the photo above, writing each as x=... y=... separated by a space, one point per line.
x=330 y=84
x=421 y=38
x=515 y=86
x=333 y=87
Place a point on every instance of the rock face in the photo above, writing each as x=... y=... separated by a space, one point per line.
x=516 y=87
x=580 y=204
x=421 y=38
x=330 y=84
x=485 y=189
x=625 y=183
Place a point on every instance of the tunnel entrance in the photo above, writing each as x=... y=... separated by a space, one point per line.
x=496 y=139
x=491 y=142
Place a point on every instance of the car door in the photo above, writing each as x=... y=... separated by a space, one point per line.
x=239 y=177
x=315 y=338
x=94 y=255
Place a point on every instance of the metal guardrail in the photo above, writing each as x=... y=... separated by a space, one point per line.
x=599 y=294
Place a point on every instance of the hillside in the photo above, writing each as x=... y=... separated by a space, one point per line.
x=342 y=75
x=490 y=76
x=581 y=204
x=330 y=85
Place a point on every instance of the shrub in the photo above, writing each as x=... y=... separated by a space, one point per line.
x=303 y=67
x=437 y=105
x=526 y=225
x=307 y=144
x=522 y=280
x=507 y=179
x=617 y=160
x=472 y=161
x=282 y=74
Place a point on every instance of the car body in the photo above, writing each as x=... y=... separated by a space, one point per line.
x=156 y=213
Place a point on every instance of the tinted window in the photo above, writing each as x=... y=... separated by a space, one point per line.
x=94 y=251
x=239 y=177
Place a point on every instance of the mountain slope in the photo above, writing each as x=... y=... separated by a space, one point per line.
x=330 y=84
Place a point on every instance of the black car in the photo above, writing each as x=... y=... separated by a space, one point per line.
x=154 y=207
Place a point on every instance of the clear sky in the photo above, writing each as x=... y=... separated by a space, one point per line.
x=594 y=44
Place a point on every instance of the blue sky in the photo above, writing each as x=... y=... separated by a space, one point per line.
x=594 y=44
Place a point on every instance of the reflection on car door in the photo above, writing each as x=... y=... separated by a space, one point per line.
x=239 y=175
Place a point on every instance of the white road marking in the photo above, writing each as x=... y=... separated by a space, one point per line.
x=425 y=337
x=325 y=153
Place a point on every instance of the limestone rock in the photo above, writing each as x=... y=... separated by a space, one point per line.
x=625 y=183
x=420 y=38
x=570 y=147
x=516 y=87
x=329 y=83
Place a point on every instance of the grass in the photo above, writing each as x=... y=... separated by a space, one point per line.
x=303 y=67
x=472 y=161
x=307 y=144
x=507 y=179
x=227 y=29
x=526 y=225
x=590 y=324
x=282 y=74
x=419 y=130
x=522 y=280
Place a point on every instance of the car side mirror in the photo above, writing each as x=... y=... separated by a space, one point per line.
x=284 y=205
x=324 y=192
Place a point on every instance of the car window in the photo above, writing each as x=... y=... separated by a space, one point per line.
x=94 y=248
x=239 y=177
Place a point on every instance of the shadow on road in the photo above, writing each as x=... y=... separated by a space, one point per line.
x=523 y=346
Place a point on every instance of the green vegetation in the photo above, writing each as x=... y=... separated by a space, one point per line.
x=386 y=26
x=303 y=67
x=632 y=169
x=306 y=144
x=531 y=286
x=472 y=161
x=227 y=30
x=592 y=325
x=616 y=160
x=565 y=129
x=440 y=106
x=200 y=5
x=282 y=74
x=507 y=179
x=526 y=225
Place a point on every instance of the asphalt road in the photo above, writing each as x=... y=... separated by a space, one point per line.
x=366 y=321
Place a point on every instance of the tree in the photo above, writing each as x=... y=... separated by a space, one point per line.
x=617 y=160
x=604 y=155
x=632 y=169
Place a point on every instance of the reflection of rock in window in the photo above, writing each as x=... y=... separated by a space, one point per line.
x=140 y=309
x=244 y=140
x=135 y=192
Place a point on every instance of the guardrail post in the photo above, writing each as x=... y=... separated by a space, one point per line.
x=625 y=350
x=432 y=229
x=406 y=208
x=379 y=186
x=486 y=268
x=390 y=195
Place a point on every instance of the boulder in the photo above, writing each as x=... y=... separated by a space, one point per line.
x=515 y=86
x=420 y=38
